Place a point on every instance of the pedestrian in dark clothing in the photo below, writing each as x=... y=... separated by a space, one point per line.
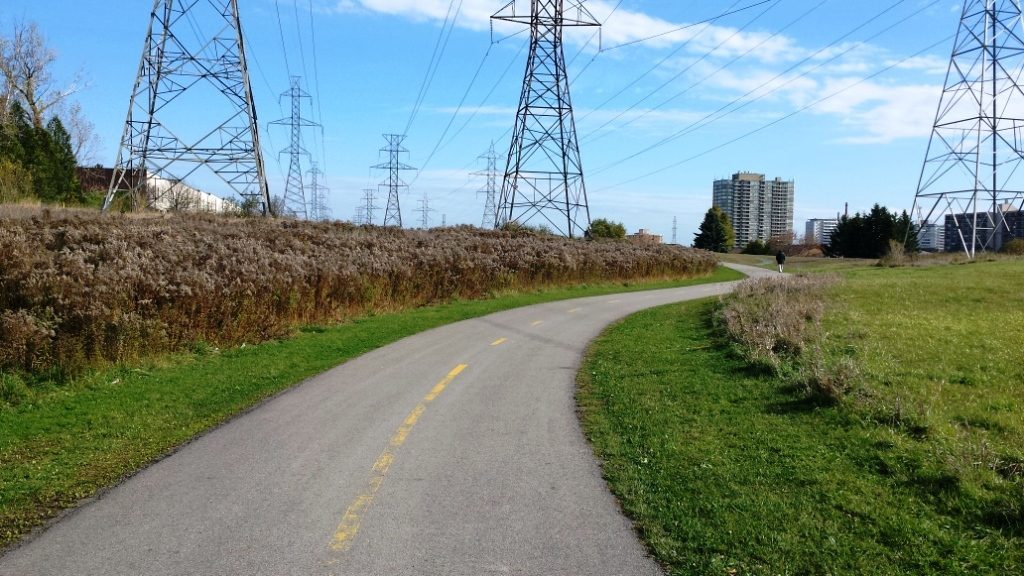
x=781 y=259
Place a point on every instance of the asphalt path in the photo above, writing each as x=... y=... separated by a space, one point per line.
x=455 y=451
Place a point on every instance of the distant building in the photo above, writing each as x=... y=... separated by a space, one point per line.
x=165 y=195
x=759 y=209
x=645 y=237
x=819 y=230
x=932 y=238
x=172 y=195
x=1001 y=228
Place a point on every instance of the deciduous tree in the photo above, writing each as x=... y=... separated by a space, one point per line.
x=604 y=228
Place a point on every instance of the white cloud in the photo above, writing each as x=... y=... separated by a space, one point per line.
x=881 y=113
x=623 y=27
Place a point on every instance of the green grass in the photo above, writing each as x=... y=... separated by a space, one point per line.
x=727 y=471
x=799 y=264
x=62 y=442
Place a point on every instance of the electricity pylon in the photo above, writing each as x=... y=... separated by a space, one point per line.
x=369 y=205
x=318 y=210
x=394 y=184
x=425 y=211
x=544 y=174
x=675 y=228
x=295 y=204
x=972 y=172
x=490 y=190
x=191 y=116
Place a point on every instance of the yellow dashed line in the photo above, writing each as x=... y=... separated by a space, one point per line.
x=537 y=323
x=574 y=310
x=353 y=517
x=499 y=341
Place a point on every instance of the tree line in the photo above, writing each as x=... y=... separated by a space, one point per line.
x=42 y=135
x=869 y=235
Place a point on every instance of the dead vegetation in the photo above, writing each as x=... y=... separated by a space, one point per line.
x=78 y=287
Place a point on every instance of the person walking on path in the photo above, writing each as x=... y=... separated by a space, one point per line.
x=781 y=259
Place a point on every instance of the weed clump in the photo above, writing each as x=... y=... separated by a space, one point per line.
x=775 y=325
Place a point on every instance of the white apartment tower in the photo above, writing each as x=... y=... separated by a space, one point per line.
x=758 y=208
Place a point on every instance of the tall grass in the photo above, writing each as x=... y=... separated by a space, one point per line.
x=776 y=325
x=79 y=287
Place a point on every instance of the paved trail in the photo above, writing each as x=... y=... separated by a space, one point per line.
x=456 y=451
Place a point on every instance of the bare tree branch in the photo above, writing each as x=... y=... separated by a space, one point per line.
x=25 y=63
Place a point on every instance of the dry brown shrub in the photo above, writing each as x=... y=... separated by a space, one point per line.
x=775 y=323
x=80 y=287
x=773 y=319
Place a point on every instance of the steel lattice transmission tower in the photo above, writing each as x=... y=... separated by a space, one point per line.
x=318 y=209
x=544 y=174
x=295 y=204
x=191 y=117
x=394 y=183
x=490 y=190
x=425 y=211
x=973 y=171
x=369 y=205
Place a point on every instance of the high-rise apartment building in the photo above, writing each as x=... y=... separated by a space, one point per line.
x=758 y=208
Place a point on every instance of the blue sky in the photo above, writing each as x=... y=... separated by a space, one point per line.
x=838 y=96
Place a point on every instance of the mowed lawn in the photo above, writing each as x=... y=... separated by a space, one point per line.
x=920 y=470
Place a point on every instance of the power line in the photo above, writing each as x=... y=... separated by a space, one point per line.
x=284 y=45
x=782 y=118
x=435 y=60
x=490 y=93
x=703 y=57
x=706 y=77
x=652 y=68
x=455 y=114
x=316 y=84
x=724 y=110
x=681 y=28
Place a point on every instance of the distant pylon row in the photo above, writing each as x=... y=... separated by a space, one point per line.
x=184 y=70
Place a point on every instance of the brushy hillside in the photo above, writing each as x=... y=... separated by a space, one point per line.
x=77 y=288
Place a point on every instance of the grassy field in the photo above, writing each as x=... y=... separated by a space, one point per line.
x=61 y=443
x=797 y=264
x=919 y=470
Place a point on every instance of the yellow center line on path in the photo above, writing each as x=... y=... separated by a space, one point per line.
x=574 y=310
x=350 y=522
x=499 y=341
x=614 y=301
x=537 y=323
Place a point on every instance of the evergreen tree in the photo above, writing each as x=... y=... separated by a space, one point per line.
x=716 y=233
x=868 y=235
x=61 y=182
